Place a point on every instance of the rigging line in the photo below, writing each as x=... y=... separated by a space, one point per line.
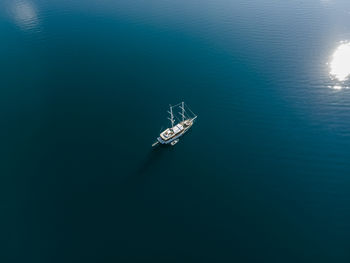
x=183 y=116
x=171 y=120
x=175 y=105
x=183 y=108
x=177 y=118
x=185 y=113
x=190 y=110
x=181 y=113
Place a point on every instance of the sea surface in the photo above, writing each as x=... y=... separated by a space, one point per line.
x=263 y=175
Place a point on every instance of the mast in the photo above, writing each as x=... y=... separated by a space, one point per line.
x=183 y=111
x=182 y=107
x=171 y=116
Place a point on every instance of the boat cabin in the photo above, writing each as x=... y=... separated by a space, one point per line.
x=171 y=132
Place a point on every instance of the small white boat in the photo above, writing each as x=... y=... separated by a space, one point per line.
x=174 y=142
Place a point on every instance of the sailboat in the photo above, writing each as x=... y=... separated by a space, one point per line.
x=171 y=135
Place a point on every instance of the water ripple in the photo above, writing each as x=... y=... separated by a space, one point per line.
x=25 y=15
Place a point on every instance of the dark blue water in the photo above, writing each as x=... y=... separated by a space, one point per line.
x=263 y=175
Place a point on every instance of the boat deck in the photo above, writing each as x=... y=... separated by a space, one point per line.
x=169 y=135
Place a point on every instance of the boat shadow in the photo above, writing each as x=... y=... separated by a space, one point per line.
x=151 y=159
x=155 y=154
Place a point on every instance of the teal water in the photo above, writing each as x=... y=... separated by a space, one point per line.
x=263 y=176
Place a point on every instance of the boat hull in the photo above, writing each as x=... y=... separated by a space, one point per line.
x=170 y=140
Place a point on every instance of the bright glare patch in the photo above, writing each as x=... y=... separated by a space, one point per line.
x=25 y=14
x=340 y=64
x=338 y=87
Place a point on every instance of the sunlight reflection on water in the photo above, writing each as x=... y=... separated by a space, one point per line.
x=340 y=65
x=338 y=87
x=25 y=14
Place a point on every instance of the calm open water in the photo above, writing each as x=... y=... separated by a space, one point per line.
x=263 y=176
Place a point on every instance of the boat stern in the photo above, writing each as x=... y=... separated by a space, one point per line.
x=159 y=139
